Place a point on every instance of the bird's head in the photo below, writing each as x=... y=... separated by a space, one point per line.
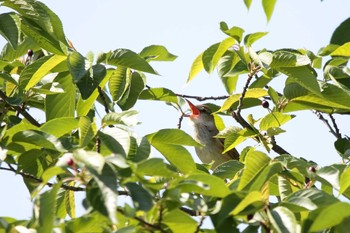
x=201 y=115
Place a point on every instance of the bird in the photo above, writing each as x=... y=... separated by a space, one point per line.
x=205 y=131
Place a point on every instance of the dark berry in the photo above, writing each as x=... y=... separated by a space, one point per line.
x=250 y=217
x=265 y=104
x=312 y=169
x=70 y=162
x=30 y=53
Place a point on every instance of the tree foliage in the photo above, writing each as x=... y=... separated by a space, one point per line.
x=126 y=189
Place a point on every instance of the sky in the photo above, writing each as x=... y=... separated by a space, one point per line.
x=186 y=28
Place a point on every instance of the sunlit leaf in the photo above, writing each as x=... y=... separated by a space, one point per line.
x=127 y=118
x=268 y=6
x=283 y=220
x=331 y=216
x=157 y=53
x=255 y=162
x=197 y=66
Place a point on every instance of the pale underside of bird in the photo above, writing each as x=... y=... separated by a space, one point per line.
x=205 y=131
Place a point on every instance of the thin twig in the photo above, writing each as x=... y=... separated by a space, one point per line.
x=336 y=129
x=325 y=121
x=23 y=112
x=200 y=98
x=38 y=180
x=200 y=224
x=252 y=73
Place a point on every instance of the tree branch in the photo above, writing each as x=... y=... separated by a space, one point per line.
x=23 y=112
x=334 y=131
x=38 y=180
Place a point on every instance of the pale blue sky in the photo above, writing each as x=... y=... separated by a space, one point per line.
x=186 y=28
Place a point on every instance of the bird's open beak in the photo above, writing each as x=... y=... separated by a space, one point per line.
x=194 y=109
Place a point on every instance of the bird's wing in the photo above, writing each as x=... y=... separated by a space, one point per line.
x=233 y=153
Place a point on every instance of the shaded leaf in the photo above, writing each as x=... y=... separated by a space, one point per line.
x=161 y=94
x=9 y=28
x=142 y=198
x=130 y=59
x=341 y=33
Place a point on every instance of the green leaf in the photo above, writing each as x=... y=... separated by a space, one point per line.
x=115 y=139
x=283 y=220
x=141 y=198
x=255 y=162
x=197 y=66
x=40 y=139
x=228 y=170
x=268 y=6
x=330 y=174
x=308 y=199
x=344 y=180
x=54 y=103
x=91 y=160
x=84 y=106
x=284 y=187
x=169 y=142
x=127 y=118
x=248 y=3
x=286 y=58
x=234 y=32
x=179 y=222
x=212 y=55
x=60 y=126
x=343 y=50
x=118 y=82
x=76 y=64
x=251 y=93
x=204 y=184
x=102 y=192
x=130 y=59
x=89 y=83
x=305 y=76
x=154 y=167
x=251 y=38
x=235 y=138
x=87 y=131
x=44 y=69
x=157 y=53
x=274 y=120
x=41 y=24
x=252 y=197
x=132 y=94
x=265 y=175
x=331 y=216
x=161 y=94
x=47 y=209
x=9 y=28
x=341 y=34
x=91 y=222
